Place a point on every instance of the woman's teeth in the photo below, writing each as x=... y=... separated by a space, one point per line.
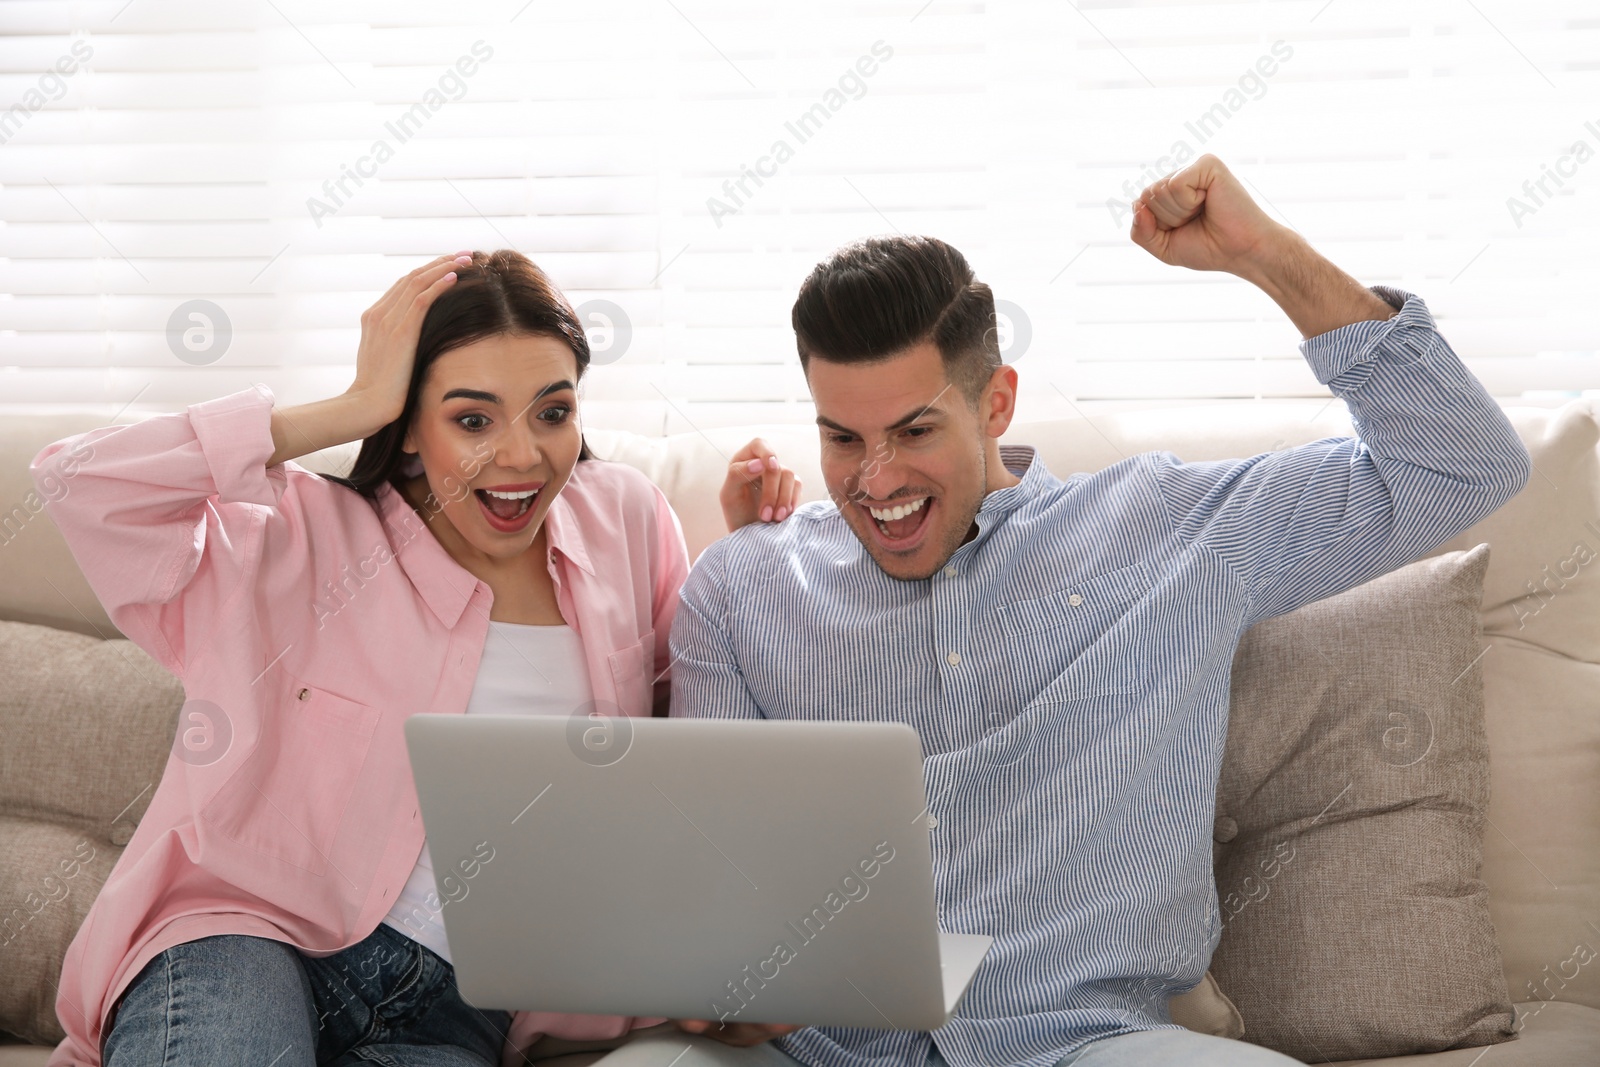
x=523 y=500
x=900 y=512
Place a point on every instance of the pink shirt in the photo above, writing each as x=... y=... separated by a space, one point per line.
x=316 y=622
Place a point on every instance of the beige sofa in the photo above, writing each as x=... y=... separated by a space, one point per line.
x=86 y=723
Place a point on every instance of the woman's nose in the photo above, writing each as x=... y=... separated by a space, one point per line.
x=518 y=448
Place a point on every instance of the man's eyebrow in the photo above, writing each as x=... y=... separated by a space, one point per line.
x=926 y=411
x=491 y=398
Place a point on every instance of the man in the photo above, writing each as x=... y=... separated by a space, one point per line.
x=1063 y=647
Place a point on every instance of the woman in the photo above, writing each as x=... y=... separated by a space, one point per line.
x=275 y=903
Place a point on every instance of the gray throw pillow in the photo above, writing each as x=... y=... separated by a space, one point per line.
x=86 y=726
x=1350 y=814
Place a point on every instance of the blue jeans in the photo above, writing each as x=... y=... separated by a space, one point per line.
x=236 y=999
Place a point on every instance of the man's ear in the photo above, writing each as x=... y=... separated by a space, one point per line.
x=999 y=404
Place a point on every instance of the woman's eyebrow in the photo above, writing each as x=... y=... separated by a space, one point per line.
x=471 y=394
x=491 y=398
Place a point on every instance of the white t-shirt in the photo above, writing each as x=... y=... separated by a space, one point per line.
x=525 y=670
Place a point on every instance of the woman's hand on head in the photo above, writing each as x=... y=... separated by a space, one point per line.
x=758 y=488
x=389 y=332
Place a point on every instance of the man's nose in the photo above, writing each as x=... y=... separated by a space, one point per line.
x=879 y=477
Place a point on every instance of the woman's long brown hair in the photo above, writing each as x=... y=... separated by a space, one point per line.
x=502 y=292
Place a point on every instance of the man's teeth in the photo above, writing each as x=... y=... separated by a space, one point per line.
x=900 y=512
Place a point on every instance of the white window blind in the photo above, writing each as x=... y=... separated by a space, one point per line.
x=688 y=161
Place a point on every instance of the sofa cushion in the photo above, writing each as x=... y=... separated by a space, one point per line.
x=25 y=1055
x=1541 y=843
x=88 y=724
x=42 y=582
x=690 y=469
x=1548 y=1035
x=51 y=876
x=1205 y=1009
x=1349 y=821
x=1541 y=616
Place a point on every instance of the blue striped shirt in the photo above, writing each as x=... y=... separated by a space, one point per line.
x=1068 y=673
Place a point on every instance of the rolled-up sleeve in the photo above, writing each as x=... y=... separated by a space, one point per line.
x=163 y=516
x=1434 y=453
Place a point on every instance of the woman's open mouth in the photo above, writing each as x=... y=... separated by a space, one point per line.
x=508 y=510
x=899 y=527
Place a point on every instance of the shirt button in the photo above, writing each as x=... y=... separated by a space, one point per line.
x=302 y=694
x=953 y=658
x=933 y=823
x=1074 y=600
x=949 y=572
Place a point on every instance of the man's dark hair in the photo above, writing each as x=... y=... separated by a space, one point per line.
x=875 y=298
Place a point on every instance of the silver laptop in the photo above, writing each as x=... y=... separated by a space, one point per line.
x=746 y=871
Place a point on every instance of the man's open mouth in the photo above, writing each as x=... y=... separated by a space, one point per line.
x=899 y=526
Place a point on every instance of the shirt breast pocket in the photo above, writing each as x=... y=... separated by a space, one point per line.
x=288 y=798
x=633 y=673
x=1079 y=640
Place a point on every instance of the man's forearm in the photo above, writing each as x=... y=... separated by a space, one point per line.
x=1316 y=295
